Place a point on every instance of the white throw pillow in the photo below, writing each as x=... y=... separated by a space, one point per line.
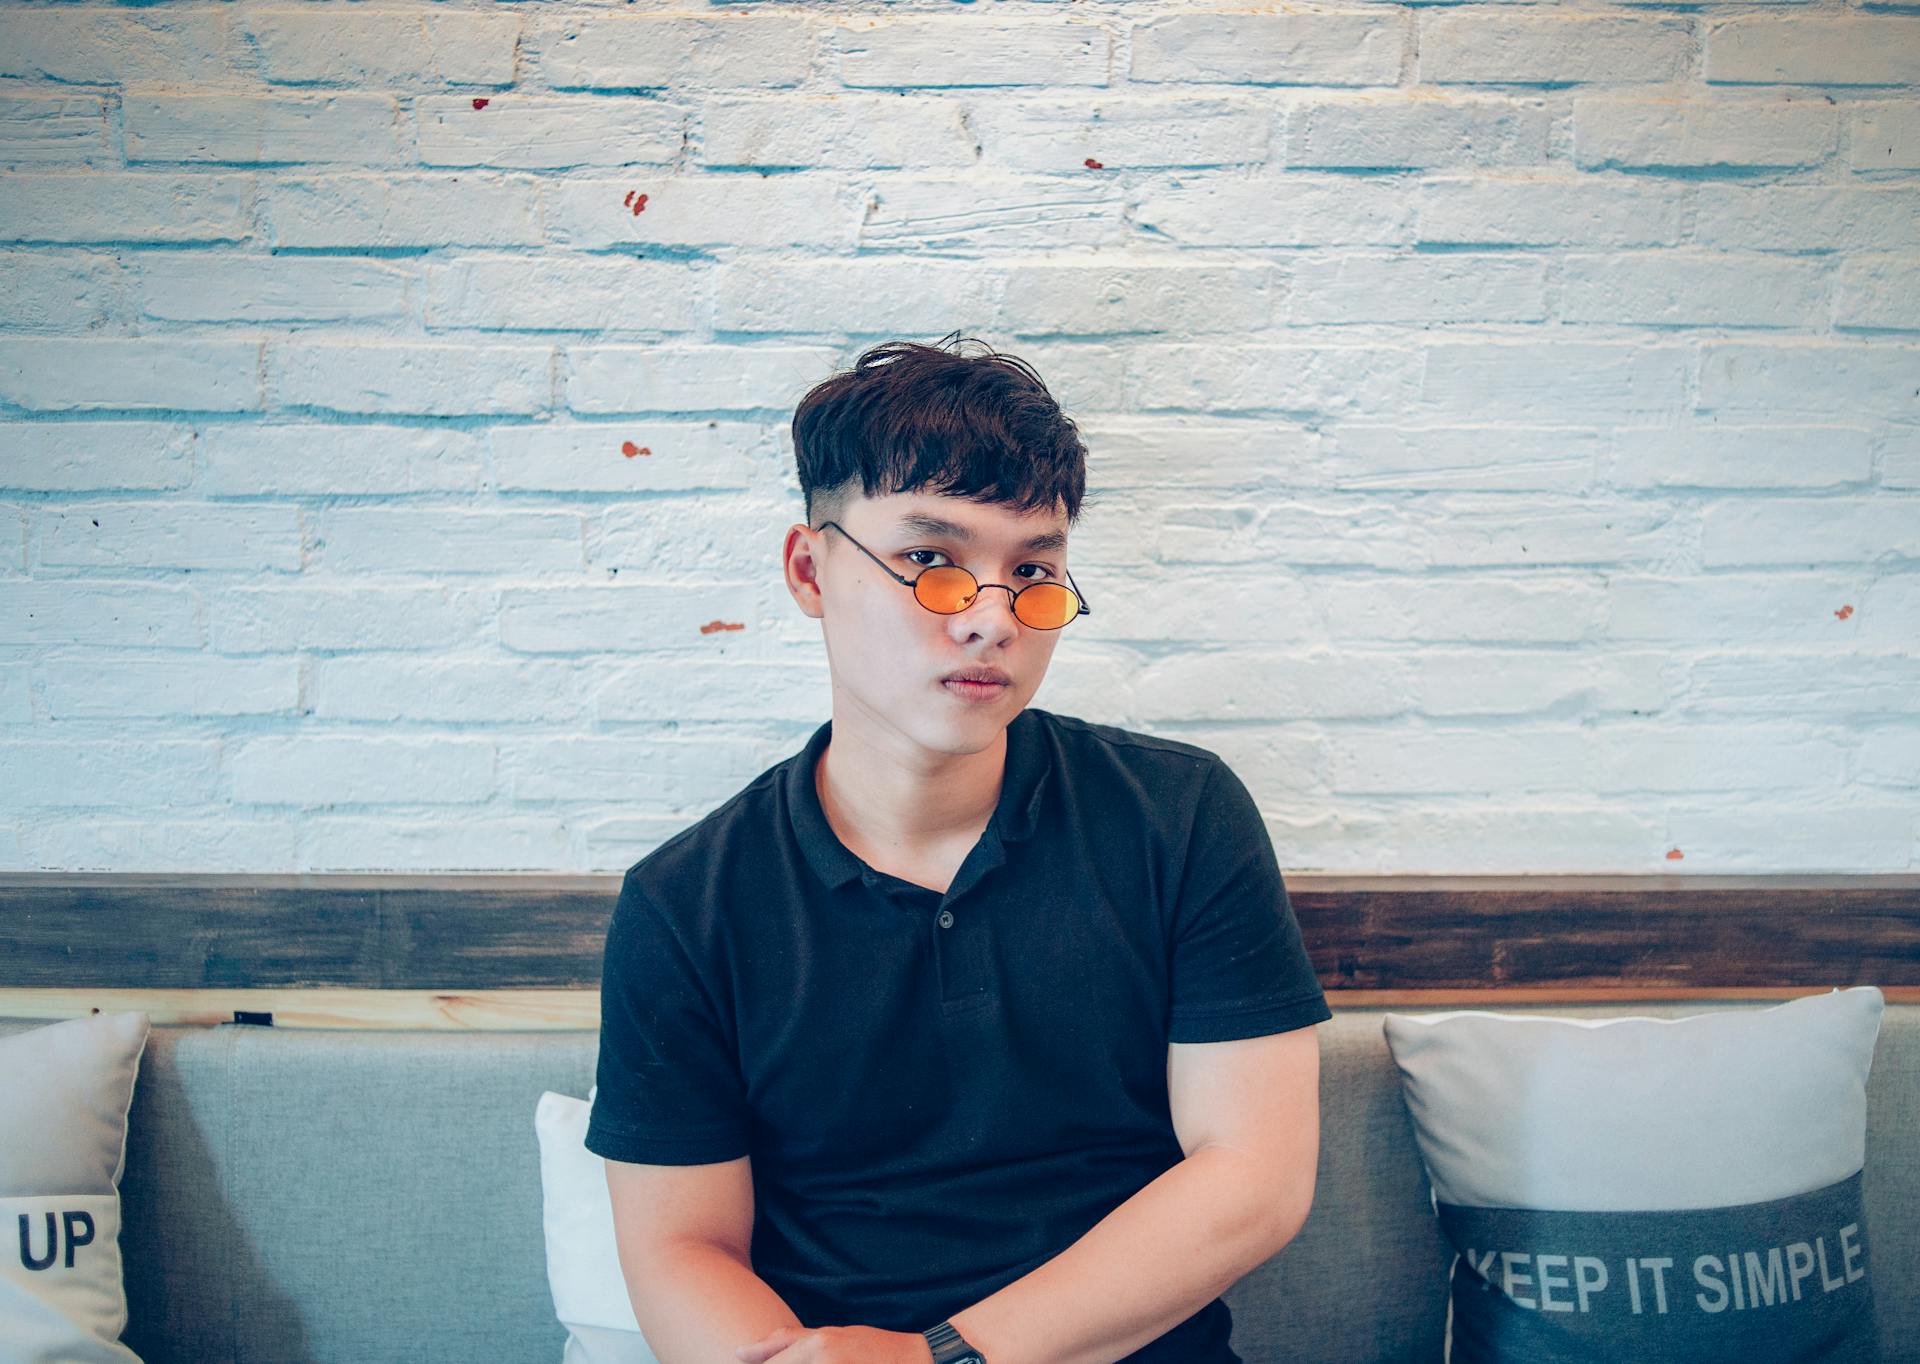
x=64 y=1094
x=1640 y=1188
x=583 y=1264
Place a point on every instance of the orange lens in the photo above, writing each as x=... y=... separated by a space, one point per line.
x=946 y=589
x=1046 y=606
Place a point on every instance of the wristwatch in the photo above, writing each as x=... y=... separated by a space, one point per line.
x=948 y=1346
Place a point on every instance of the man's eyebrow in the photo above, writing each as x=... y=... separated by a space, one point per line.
x=924 y=524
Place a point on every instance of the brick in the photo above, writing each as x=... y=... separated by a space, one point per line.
x=1594 y=210
x=94 y=611
x=695 y=690
x=1464 y=528
x=1266 y=378
x=1554 y=49
x=1818 y=218
x=1899 y=458
x=636 y=51
x=226 y=842
x=703 y=210
x=1889 y=755
x=1197 y=451
x=106 y=206
x=1567 y=381
x=329 y=769
x=593 y=458
x=1880 y=292
x=1792 y=836
x=657 y=618
x=174 y=534
x=1263 y=684
x=1070 y=299
x=1447 y=682
x=1885 y=136
x=839 y=132
x=1537 y=607
x=1691 y=288
x=409 y=47
x=1809 y=531
x=373 y=540
x=183 y=689
x=1360 y=48
x=1447 y=287
x=1276 y=210
x=402 y=210
x=60 y=291
x=61 y=374
x=228 y=286
x=283 y=127
x=103 y=773
x=1750 y=608
x=16 y=698
x=90 y=46
x=1417 y=131
x=895 y=295
x=708 y=536
x=554 y=292
x=1122 y=132
x=36 y=127
x=1855 y=49
x=905 y=53
x=657 y=378
x=82 y=456
x=472 y=843
x=1733 y=456
x=416 y=377
x=694 y=771
x=1840 y=379
x=1372 y=458
x=248 y=459
x=358 y=617
x=1610 y=131
x=390 y=689
x=548 y=132
x=981 y=211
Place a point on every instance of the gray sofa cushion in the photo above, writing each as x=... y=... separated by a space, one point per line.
x=372 y=1195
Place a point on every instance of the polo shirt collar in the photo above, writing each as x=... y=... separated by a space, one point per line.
x=1015 y=816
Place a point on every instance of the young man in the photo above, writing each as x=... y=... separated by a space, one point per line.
x=971 y=1031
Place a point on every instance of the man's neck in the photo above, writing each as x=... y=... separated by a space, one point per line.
x=894 y=804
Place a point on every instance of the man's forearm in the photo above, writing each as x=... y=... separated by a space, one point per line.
x=695 y=1303
x=1144 y=1268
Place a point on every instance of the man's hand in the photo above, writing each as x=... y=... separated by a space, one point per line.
x=838 y=1345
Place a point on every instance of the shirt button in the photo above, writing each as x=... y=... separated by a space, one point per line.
x=946 y=918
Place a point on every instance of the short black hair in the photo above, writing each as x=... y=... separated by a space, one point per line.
x=910 y=416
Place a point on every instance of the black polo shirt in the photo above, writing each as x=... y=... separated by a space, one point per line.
x=940 y=1093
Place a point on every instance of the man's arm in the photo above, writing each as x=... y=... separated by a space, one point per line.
x=683 y=1234
x=1247 y=1113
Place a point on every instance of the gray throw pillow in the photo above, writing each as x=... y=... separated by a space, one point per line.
x=1648 y=1189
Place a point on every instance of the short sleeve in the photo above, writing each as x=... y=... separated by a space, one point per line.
x=1239 y=966
x=669 y=1086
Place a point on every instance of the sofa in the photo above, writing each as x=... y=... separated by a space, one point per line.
x=361 y=1196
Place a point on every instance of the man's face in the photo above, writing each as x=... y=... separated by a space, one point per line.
x=889 y=654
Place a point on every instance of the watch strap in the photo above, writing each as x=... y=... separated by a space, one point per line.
x=949 y=1347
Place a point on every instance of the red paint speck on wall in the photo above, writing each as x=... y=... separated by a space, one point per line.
x=629 y=449
x=1675 y=855
x=713 y=625
x=637 y=203
x=1844 y=611
x=480 y=103
x=1094 y=165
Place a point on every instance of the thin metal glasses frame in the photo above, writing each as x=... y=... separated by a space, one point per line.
x=1013 y=593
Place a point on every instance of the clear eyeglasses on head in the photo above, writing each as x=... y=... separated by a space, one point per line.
x=948 y=589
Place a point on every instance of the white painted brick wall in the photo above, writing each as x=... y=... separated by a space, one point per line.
x=1506 y=416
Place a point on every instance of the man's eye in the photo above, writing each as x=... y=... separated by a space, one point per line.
x=908 y=554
